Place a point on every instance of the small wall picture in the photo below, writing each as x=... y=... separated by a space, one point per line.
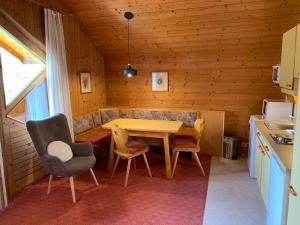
x=85 y=82
x=160 y=81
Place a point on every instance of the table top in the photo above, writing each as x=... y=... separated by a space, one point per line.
x=145 y=125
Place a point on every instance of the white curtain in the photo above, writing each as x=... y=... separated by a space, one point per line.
x=36 y=103
x=56 y=64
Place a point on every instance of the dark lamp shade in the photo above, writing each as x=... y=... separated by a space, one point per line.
x=129 y=71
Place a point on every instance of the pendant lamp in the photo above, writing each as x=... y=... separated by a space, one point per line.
x=129 y=71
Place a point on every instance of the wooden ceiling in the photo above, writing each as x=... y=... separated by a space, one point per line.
x=185 y=27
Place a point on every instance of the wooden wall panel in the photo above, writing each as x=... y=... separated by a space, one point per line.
x=219 y=54
x=83 y=57
x=24 y=165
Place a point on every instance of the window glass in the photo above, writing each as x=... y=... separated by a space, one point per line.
x=17 y=74
x=34 y=106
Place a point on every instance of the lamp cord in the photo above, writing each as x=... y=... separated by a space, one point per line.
x=128 y=42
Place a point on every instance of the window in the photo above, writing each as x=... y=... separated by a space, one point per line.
x=17 y=75
x=24 y=82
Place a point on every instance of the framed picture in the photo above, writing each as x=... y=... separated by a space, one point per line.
x=85 y=82
x=160 y=81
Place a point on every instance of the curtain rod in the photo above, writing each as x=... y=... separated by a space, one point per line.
x=48 y=6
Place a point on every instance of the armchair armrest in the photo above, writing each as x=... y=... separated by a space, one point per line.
x=53 y=165
x=82 y=149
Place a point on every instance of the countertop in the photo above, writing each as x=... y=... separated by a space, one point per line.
x=283 y=153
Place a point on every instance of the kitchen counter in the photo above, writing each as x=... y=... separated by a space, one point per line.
x=283 y=153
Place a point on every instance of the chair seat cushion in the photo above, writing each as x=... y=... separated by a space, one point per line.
x=135 y=147
x=60 y=150
x=95 y=136
x=185 y=144
x=78 y=165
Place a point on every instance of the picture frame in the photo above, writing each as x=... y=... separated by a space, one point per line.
x=160 y=81
x=85 y=82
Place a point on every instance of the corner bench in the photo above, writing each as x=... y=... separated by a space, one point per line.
x=88 y=128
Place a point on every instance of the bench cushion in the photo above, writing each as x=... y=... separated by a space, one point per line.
x=82 y=123
x=188 y=118
x=108 y=115
x=142 y=114
x=96 y=118
x=124 y=113
x=96 y=136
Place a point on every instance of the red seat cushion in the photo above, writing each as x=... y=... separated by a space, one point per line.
x=135 y=147
x=95 y=136
x=185 y=144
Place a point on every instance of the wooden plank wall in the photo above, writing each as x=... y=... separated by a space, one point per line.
x=24 y=167
x=219 y=56
x=21 y=161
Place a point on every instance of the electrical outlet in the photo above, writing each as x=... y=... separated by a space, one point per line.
x=244 y=144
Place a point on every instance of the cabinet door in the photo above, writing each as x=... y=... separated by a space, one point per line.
x=297 y=54
x=286 y=77
x=265 y=175
x=294 y=200
x=258 y=156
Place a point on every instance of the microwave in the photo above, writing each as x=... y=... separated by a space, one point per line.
x=277 y=108
x=276 y=73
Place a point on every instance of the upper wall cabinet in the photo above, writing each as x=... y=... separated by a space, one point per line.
x=290 y=61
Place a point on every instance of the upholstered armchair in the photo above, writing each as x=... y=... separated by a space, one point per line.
x=44 y=132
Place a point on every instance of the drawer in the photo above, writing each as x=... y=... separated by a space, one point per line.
x=264 y=143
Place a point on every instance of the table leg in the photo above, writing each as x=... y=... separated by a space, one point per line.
x=111 y=154
x=167 y=156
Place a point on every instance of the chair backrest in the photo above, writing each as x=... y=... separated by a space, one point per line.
x=199 y=127
x=120 y=137
x=42 y=132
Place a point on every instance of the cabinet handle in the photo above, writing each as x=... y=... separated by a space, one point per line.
x=292 y=191
x=266 y=147
x=288 y=85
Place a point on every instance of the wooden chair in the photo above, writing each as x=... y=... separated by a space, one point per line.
x=189 y=144
x=128 y=150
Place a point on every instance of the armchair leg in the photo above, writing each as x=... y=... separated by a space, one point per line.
x=72 y=189
x=127 y=172
x=198 y=162
x=175 y=162
x=147 y=165
x=49 y=184
x=94 y=177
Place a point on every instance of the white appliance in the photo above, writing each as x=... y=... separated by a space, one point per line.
x=277 y=108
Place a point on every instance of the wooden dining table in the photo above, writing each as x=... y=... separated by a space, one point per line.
x=145 y=128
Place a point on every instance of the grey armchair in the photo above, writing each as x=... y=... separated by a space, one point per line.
x=56 y=128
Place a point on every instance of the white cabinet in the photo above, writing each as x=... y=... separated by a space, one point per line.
x=265 y=175
x=278 y=194
x=294 y=186
x=290 y=61
x=262 y=166
x=258 y=157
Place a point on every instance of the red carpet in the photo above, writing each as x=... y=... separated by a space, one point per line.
x=146 y=200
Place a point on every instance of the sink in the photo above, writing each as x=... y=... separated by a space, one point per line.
x=278 y=126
